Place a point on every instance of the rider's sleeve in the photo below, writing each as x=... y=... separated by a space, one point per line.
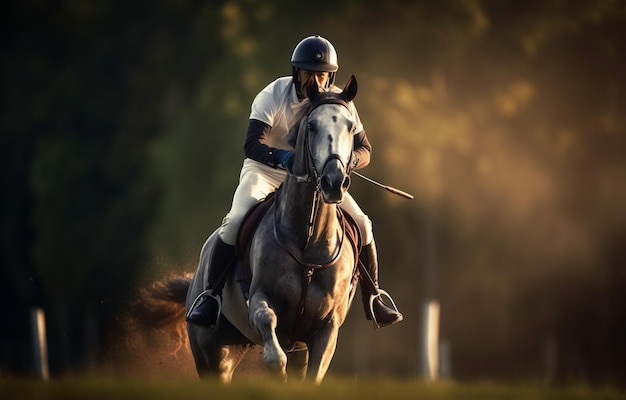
x=264 y=110
x=267 y=104
x=362 y=146
x=362 y=149
x=254 y=147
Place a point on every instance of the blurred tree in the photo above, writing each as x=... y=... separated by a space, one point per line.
x=86 y=88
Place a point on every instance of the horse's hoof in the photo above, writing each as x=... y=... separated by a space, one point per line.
x=276 y=362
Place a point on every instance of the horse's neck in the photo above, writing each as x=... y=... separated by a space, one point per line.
x=310 y=223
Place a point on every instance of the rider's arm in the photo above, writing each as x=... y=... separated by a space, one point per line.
x=362 y=149
x=254 y=147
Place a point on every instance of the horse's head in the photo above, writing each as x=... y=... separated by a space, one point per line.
x=330 y=129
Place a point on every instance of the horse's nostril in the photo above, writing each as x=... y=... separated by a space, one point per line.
x=346 y=183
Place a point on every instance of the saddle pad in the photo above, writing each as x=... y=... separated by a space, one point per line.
x=250 y=222
x=244 y=237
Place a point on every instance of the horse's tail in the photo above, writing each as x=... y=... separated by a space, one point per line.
x=162 y=306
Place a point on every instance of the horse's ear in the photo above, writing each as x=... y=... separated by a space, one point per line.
x=349 y=92
x=312 y=90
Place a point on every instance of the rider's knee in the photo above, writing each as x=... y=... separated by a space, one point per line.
x=365 y=228
x=230 y=227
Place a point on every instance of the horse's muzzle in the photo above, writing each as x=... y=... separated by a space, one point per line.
x=334 y=181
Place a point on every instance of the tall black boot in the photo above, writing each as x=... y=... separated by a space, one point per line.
x=371 y=294
x=206 y=309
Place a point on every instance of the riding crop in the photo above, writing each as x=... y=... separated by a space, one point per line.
x=388 y=188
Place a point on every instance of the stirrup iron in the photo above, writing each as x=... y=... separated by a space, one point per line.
x=381 y=294
x=202 y=297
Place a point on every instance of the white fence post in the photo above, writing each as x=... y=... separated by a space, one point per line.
x=40 y=346
x=429 y=363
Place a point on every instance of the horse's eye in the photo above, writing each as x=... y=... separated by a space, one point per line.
x=310 y=127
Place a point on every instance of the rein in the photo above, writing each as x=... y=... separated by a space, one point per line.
x=308 y=265
x=311 y=177
x=308 y=268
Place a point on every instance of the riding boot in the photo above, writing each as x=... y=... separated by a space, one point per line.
x=371 y=294
x=206 y=309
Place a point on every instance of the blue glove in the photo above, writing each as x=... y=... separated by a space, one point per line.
x=285 y=158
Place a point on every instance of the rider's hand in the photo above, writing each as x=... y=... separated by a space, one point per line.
x=285 y=158
x=354 y=160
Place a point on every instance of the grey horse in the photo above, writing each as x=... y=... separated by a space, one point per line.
x=302 y=259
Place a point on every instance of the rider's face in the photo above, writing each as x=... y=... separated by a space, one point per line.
x=321 y=78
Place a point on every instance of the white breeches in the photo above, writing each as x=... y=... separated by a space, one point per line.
x=256 y=181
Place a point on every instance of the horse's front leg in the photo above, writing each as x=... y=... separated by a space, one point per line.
x=321 y=351
x=297 y=363
x=264 y=320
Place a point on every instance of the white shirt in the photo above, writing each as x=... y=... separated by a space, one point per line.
x=274 y=106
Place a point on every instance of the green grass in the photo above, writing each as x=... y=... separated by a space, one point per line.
x=260 y=389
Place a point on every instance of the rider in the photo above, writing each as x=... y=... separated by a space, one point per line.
x=268 y=155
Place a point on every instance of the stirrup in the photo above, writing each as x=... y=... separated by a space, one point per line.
x=213 y=325
x=373 y=297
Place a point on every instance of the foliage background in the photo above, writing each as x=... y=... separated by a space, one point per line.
x=122 y=130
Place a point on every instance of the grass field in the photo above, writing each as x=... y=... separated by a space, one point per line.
x=259 y=389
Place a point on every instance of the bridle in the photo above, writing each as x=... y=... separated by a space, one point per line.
x=313 y=177
x=312 y=174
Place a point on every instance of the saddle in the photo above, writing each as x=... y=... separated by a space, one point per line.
x=253 y=217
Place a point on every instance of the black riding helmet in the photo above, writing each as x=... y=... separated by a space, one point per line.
x=314 y=53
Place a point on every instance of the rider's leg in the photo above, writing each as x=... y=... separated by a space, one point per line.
x=207 y=310
x=383 y=314
x=256 y=181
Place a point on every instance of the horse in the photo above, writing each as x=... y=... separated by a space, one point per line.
x=303 y=258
